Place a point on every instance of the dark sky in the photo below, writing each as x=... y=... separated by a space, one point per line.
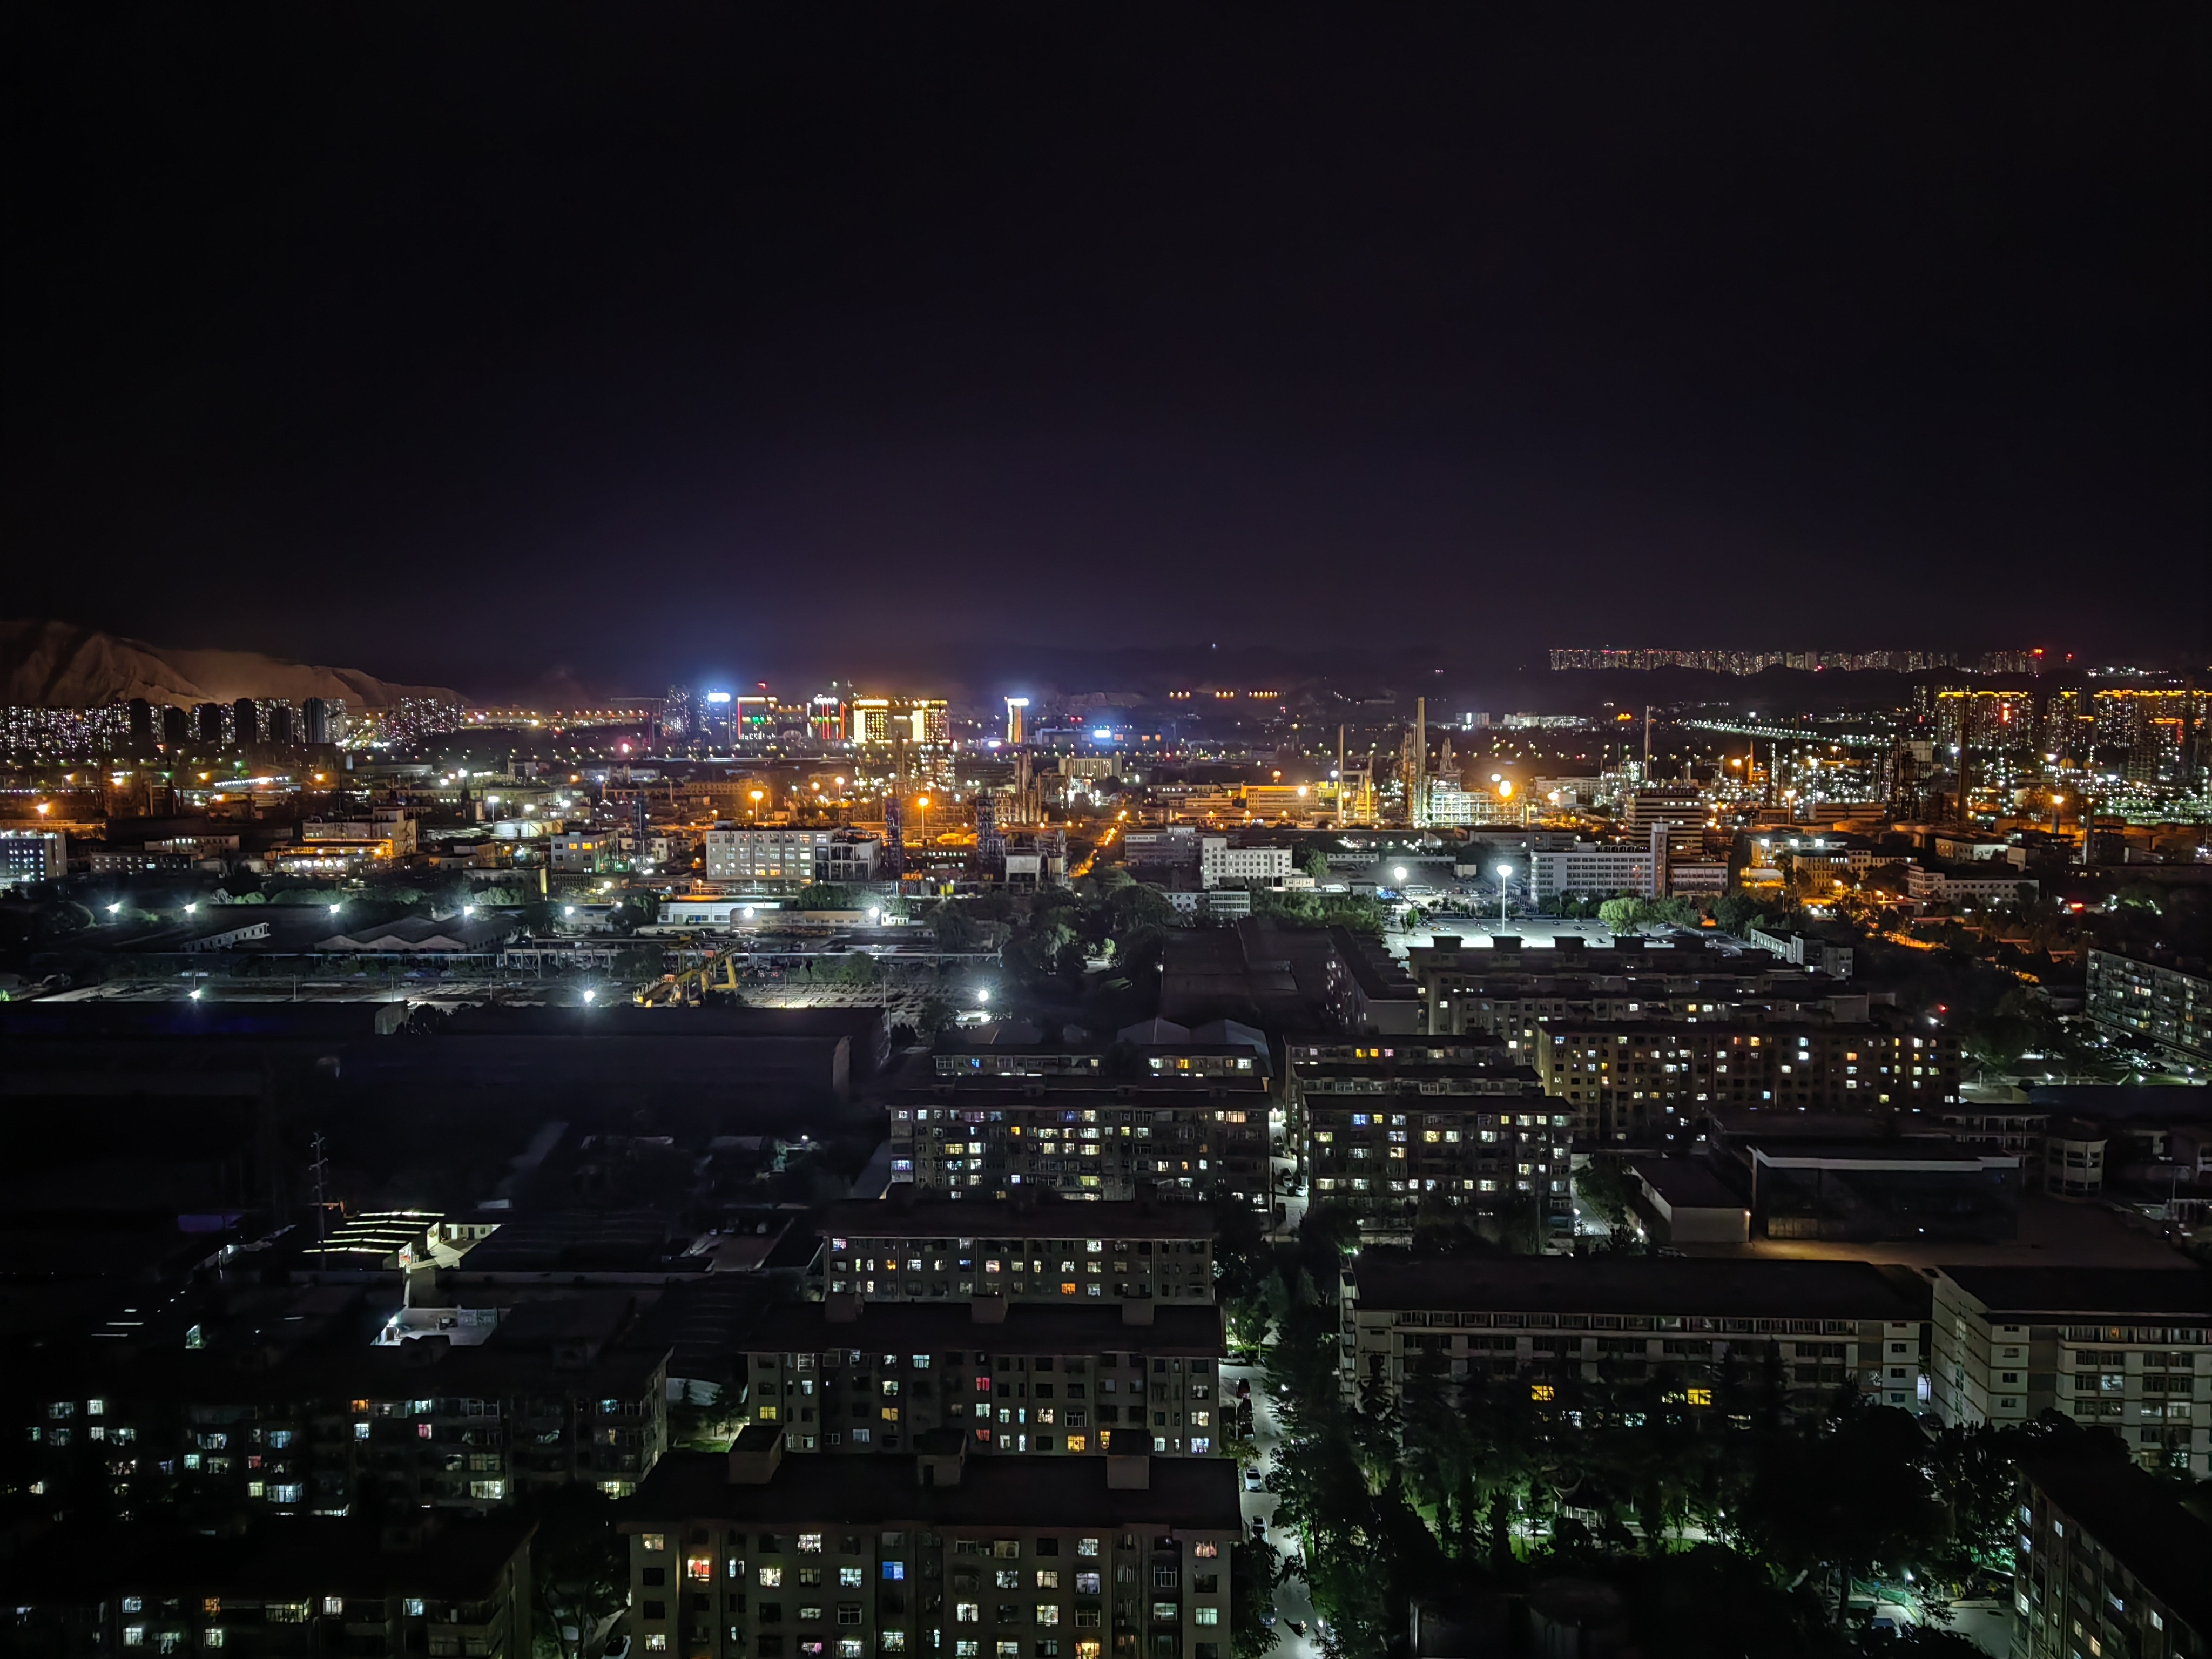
x=465 y=343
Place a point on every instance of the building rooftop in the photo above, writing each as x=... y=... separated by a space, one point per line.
x=926 y=1327
x=966 y=1218
x=296 y=1559
x=1199 y=1494
x=1685 y=1183
x=1653 y=1284
x=2182 y=1292
x=1913 y=1152
x=2139 y=1520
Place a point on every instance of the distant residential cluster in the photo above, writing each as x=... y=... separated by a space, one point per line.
x=2029 y=661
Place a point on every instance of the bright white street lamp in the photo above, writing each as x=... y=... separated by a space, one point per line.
x=114 y=909
x=982 y=996
x=198 y=992
x=1398 y=874
x=590 y=995
x=334 y=910
x=1504 y=874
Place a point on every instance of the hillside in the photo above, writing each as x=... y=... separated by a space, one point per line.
x=58 y=666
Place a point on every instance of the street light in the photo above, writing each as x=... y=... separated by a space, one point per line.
x=590 y=996
x=922 y=801
x=334 y=910
x=1504 y=873
x=1398 y=874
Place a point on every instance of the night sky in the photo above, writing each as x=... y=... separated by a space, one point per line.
x=463 y=344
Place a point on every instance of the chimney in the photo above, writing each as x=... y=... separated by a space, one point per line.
x=756 y=1454
x=987 y=1310
x=1137 y=1310
x=1129 y=1474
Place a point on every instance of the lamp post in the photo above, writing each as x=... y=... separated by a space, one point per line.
x=1504 y=873
x=757 y=801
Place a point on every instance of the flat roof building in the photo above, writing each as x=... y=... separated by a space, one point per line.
x=931 y=1553
x=2117 y=1348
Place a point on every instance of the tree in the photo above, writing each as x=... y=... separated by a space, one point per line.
x=1317 y=866
x=829 y=895
x=579 y=1568
x=1254 y=1568
x=1602 y=1186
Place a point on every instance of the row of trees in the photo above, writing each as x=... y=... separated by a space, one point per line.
x=1726 y=1527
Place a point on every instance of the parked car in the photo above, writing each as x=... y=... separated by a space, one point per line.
x=1251 y=1480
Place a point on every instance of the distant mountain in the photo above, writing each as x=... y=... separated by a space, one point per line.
x=58 y=666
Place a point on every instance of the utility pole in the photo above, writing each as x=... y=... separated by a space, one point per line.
x=1416 y=809
x=322 y=1240
x=1340 y=777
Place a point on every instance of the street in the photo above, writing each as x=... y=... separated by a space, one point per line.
x=1292 y=1602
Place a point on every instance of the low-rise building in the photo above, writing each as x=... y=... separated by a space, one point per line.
x=1707 y=1330
x=2107 y=1561
x=1220 y=862
x=759 y=1554
x=1973 y=882
x=1688 y=1204
x=953 y=1249
x=2117 y=1348
x=1084 y=1377
x=137 y=862
x=1913 y=1187
x=785 y=857
x=1594 y=868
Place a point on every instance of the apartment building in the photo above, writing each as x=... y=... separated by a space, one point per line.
x=1510 y=990
x=1593 y=867
x=759 y=1554
x=953 y=1249
x=1646 y=1081
x=1409 y=1121
x=294 y=1409
x=2107 y=1560
x=2118 y=1348
x=1219 y=862
x=1194 y=1135
x=305 y=1587
x=1085 y=1378
x=1708 y=1333
x=778 y=855
x=2153 y=1002
x=29 y=855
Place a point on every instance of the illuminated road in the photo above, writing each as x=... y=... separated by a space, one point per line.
x=1293 y=1604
